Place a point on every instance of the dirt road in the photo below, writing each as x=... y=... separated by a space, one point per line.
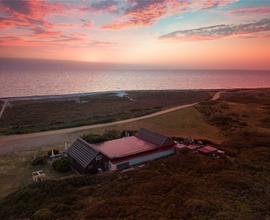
x=12 y=143
x=3 y=108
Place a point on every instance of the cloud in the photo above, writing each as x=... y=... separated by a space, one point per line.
x=56 y=39
x=87 y=24
x=35 y=10
x=220 y=31
x=146 y=12
x=102 y=6
x=208 y=4
x=249 y=11
x=24 y=13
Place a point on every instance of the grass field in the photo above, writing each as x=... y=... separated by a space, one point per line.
x=33 y=115
x=243 y=117
x=187 y=122
x=184 y=186
x=16 y=170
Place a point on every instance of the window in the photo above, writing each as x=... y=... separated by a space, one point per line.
x=99 y=157
x=122 y=166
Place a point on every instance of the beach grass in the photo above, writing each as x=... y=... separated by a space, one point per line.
x=16 y=170
x=41 y=115
x=187 y=122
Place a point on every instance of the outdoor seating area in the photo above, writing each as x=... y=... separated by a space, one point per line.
x=39 y=176
x=198 y=146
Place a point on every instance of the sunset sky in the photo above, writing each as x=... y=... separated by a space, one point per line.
x=169 y=33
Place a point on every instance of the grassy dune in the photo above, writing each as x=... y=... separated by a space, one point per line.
x=242 y=116
x=16 y=170
x=184 y=186
x=33 y=115
x=186 y=123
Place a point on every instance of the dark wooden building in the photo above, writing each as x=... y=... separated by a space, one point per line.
x=85 y=158
x=120 y=153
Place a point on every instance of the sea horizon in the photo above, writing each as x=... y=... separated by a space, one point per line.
x=40 y=82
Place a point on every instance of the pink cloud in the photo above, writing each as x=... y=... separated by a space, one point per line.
x=260 y=28
x=206 y=4
x=88 y=24
x=143 y=13
x=102 y=6
x=33 y=16
x=248 y=11
x=146 y=12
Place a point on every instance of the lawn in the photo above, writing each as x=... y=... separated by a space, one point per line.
x=16 y=170
x=34 y=115
x=184 y=186
x=185 y=123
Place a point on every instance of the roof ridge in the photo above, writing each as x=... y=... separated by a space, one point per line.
x=89 y=144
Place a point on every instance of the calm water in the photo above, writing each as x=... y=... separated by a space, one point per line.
x=31 y=83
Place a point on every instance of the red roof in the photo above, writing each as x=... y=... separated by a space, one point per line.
x=208 y=150
x=124 y=147
x=193 y=147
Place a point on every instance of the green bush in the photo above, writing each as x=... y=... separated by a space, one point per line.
x=62 y=165
x=38 y=161
x=55 y=151
x=107 y=136
x=43 y=214
x=94 y=138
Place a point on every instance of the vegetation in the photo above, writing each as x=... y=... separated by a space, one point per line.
x=220 y=114
x=55 y=151
x=184 y=186
x=33 y=115
x=16 y=170
x=43 y=214
x=40 y=160
x=187 y=122
x=106 y=136
x=62 y=165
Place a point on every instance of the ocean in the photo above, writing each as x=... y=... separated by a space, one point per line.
x=38 y=82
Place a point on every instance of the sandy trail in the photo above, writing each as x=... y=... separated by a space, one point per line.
x=3 y=108
x=12 y=143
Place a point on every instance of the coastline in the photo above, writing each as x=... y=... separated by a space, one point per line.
x=85 y=94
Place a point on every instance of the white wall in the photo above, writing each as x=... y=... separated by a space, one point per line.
x=143 y=158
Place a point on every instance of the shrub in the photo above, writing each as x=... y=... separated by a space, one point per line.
x=62 y=165
x=94 y=138
x=43 y=214
x=55 y=151
x=108 y=135
x=197 y=207
x=129 y=132
x=112 y=134
x=38 y=161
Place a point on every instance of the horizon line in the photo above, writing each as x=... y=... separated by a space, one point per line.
x=134 y=66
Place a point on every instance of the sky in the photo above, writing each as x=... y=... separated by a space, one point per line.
x=162 y=33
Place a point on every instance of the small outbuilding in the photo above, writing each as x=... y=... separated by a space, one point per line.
x=120 y=153
x=208 y=150
x=193 y=147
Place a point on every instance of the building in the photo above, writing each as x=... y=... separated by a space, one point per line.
x=193 y=147
x=180 y=147
x=208 y=150
x=120 y=153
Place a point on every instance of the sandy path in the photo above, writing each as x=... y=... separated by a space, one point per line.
x=12 y=143
x=3 y=108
